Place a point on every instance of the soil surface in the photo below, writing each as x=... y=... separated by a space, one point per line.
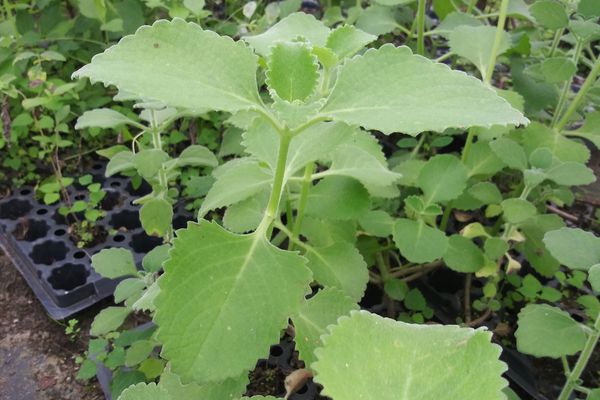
x=37 y=358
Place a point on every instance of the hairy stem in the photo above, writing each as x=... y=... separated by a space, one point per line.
x=497 y=41
x=580 y=95
x=273 y=205
x=306 y=183
x=581 y=363
x=566 y=87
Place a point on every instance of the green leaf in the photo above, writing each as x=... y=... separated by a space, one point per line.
x=138 y=352
x=114 y=263
x=156 y=216
x=418 y=242
x=227 y=389
x=481 y=160
x=558 y=69
x=289 y=29
x=340 y=266
x=377 y=223
x=475 y=43
x=145 y=391
x=510 y=152
x=456 y=20
x=327 y=232
x=241 y=179
x=571 y=174
x=574 y=248
x=590 y=129
x=594 y=277
x=536 y=136
x=463 y=255
x=246 y=215
x=197 y=156
x=241 y=291
x=121 y=161
x=406 y=361
x=550 y=14
x=154 y=259
x=443 y=178
x=546 y=331
x=313 y=318
x=292 y=71
x=181 y=65
x=377 y=20
x=355 y=161
x=486 y=192
x=127 y=288
x=386 y=101
x=324 y=199
x=149 y=162
x=594 y=394
x=108 y=320
x=495 y=247
x=103 y=118
x=517 y=210
x=534 y=249
x=588 y=8
x=346 y=40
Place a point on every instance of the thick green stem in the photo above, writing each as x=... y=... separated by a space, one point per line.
x=497 y=41
x=580 y=95
x=581 y=363
x=421 y=27
x=306 y=184
x=471 y=6
x=566 y=87
x=273 y=205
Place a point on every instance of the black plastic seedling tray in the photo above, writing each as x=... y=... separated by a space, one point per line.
x=35 y=238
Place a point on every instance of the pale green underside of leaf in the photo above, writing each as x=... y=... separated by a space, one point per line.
x=181 y=65
x=411 y=94
x=103 y=118
x=368 y=357
x=475 y=43
x=288 y=29
x=574 y=248
x=546 y=331
x=419 y=242
x=340 y=266
x=224 y=297
x=236 y=183
x=313 y=318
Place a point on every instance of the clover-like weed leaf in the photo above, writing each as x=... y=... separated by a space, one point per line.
x=411 y=94
x=405 y=361
x=574 y=248
x=419 y=242
x=240 y=290
x=546 y=331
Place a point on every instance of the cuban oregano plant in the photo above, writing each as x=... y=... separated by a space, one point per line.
x=284 y=214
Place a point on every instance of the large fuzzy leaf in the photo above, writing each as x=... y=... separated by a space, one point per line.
x=339 y=266
x=313 y=318
x=224 y=297
x=292 y=71
x=180 y=64
x=368 y=357
x=392 y=90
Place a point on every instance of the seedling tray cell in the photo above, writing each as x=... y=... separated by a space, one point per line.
x=35 y=237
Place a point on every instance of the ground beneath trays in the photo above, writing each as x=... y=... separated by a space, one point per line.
x=37 y=359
